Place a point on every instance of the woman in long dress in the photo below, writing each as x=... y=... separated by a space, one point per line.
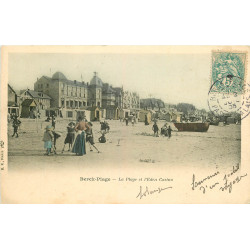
x=80 y=146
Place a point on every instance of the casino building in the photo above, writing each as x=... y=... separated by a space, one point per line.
x=71 y=98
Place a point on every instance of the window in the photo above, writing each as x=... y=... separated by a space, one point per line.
x=70 y=114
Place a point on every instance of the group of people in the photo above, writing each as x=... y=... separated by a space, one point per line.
x=77 y=144
x=165 y=130
x=53 y=120
x=133 y=120
x=105 y=126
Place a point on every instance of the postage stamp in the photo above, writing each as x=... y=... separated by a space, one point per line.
x=228 y=92
x=228 y=72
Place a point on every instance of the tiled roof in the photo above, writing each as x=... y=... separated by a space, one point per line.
x=108 y=89
x=27 y=102
x=36 y=94
x=12 y=89
x=65 y=80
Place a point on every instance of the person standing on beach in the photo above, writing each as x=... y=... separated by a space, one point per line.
x=155 y=129
x=146 y=120
x=70 y=136
x=16 y=123
x=79 y=147
x=56 y=135
x=90 y=137
x=53 y=122
x=133 y=120
x=126 y=119
x=169 y=132
x=48 y=139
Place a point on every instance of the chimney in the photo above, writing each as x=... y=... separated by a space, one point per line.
x=87 y=83
x=74 y=81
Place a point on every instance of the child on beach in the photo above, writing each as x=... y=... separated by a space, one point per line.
x=133 y=121
x=90 y=137
x=16 y=124
x=53 y=121
x=48 y=139
x=56 y=136
x=70 y=136
x=102 y=139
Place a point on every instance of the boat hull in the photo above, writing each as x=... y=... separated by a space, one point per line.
x=192 y=127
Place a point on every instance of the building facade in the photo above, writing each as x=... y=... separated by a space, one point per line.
x=67 y=95
x=13 y=101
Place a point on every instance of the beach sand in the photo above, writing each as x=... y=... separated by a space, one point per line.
x=217 y=148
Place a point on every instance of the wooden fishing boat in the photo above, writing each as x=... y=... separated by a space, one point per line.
x=192 y=126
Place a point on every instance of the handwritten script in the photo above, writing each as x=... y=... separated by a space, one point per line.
x=215 y=181
x=146 y=192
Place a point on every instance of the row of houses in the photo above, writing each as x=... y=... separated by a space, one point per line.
x=95 y=100
x=66 y=98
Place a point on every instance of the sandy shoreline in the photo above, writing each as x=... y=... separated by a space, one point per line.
x=217 y=148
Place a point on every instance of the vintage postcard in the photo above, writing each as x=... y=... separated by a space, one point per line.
x=125 y=124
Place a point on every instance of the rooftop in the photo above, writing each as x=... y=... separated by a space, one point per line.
x=59 y=76
x=96 y=81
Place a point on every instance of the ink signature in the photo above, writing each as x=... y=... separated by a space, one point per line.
x=223 y=184
x=146 y=192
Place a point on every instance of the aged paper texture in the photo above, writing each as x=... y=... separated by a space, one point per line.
x=125 y=124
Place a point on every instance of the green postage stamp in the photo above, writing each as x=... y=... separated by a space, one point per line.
x=228 y=72
x=229 y=91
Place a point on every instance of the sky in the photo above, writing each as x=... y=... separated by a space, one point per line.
x=173 y=78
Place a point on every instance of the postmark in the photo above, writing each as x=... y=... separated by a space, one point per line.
x=228 y=94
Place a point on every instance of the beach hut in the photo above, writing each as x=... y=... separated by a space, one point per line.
x=231 y=120
x=103 y=113
x=168 y=117
x=112 y=112
x=83 y=113
x=28 y=108
x=123 y=113
x=177 y=116
x=144 y=113
x=95 y=113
